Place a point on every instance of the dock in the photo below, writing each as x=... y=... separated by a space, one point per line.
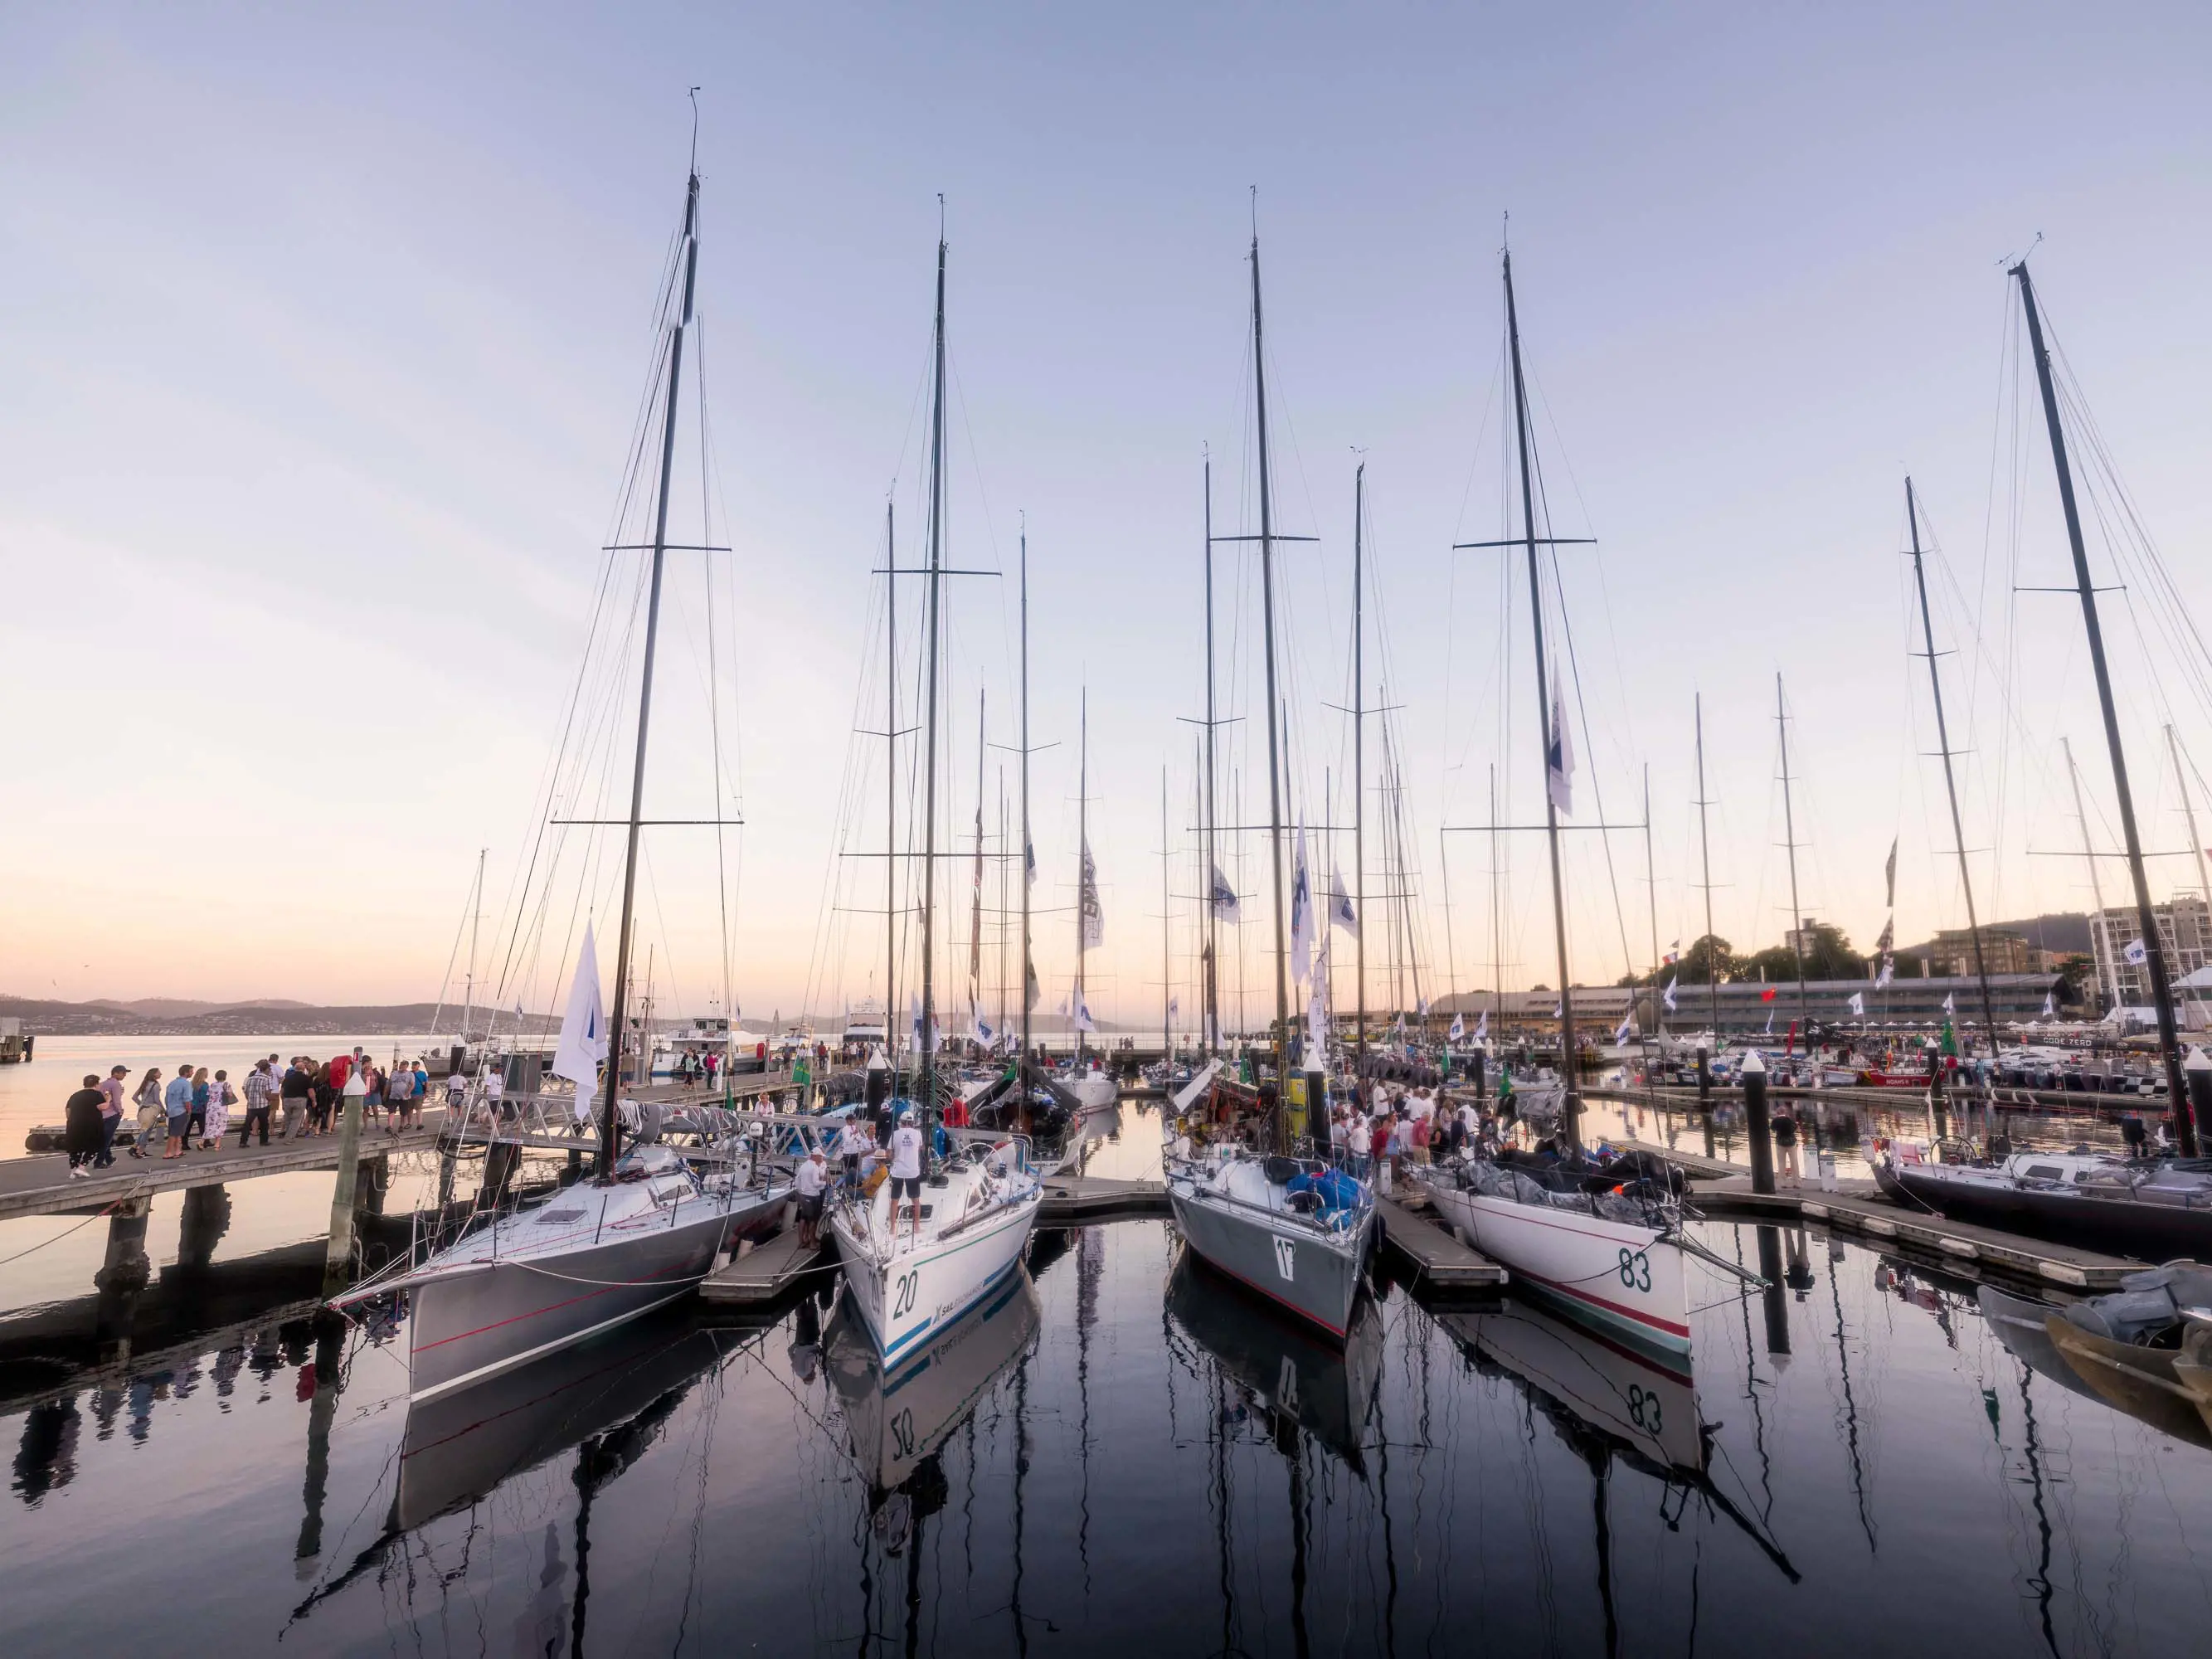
x=1072 y=1199
x=1437 y=1258
x=1970 y=1251
x=40 y=1185
x=764 y=1271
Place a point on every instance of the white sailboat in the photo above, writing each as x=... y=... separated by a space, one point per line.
x=1612 y=1255
x=649 y=1226
x=910 y=1274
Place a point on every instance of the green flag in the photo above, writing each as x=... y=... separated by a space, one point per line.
x=1950 y=1040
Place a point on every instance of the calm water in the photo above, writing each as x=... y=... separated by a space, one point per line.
x=1124 y=1456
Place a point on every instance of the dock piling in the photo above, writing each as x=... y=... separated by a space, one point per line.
x=1756 y=1122
x=338 y=1265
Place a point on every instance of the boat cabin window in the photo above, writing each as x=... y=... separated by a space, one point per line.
x=2045 y=1172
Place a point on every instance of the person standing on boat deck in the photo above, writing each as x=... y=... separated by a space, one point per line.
x=906 y=1172
x=813 y=1175
x=151 y=1123
x=854 y=1143
x=177 y=1105
x=80 y=1128
x=260 y=1086
x=293 y=1091
x=111 y=1114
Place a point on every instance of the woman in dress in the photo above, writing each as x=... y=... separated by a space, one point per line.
x=153 y=1124
x=221 y=1097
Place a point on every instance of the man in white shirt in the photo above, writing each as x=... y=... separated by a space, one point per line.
x=854 y=1142
x=813 y=1177
x=906 y=1171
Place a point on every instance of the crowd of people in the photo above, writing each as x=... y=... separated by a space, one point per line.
x=189 y=1110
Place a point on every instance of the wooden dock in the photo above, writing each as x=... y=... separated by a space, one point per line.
x=1439 y=1260
x=1072 y=1199
x=40 y=1185
x=1721 y=1190
x=765 y=1272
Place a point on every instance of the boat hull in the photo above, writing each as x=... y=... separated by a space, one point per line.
x=902 y=1296
x=1317 y=1279
x=1615 y=1275
x=2149 y=1232
x=2137 y=1380
x=489 y=1317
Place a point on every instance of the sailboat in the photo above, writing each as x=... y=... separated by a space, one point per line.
x=1295 y=1230
x=1610 y=1251
x=650 y=1225
x=908 y=1277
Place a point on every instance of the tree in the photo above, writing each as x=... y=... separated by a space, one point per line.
x=1696 y=966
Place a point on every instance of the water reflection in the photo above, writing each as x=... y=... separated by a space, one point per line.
x=1121 y=1454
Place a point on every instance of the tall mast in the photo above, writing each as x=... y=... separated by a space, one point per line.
x=1359 y=768
x=1496 y=939
x=1705 y=863
x=1001 y=925
x=475 y=917
x=610 y=1123
x=1029 y=973
x=1212 y=855
x=1167 y=934
x=2188 y=812
x=2161 y=990
x=1082 y=860
x=1650 y=870
x=1274 y=737
x=926 y=1061
x=975 y=902
x=1950 y=781
x=891 y=789
x=1571 y=1110
x=2089 y=855
x=1789 y=842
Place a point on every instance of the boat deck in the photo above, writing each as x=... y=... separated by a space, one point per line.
x=1438 y=1259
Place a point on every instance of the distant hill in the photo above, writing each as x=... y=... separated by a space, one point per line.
x=185 y=1017
x=2065 y=931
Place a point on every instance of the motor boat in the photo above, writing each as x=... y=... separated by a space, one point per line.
x=978 y=1206
x=2152 y=1209
x=2130 y=1345
x=591 y=1257
x=1298 y=1231
x=1604 y=1240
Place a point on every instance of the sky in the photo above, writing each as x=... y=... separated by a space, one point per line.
x=325 y=333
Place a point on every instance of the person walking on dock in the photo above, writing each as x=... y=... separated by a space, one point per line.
x=221 y=1097
x=152 y=1117
x=111 y=1114
x=176 y=1104
x=295 y=1091
x=261 y=1086
x=195 y=1118
x=80 y=1128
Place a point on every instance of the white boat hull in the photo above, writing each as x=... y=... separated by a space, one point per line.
x=1616 y=1275
x=913 y=1289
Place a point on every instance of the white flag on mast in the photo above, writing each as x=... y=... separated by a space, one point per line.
x=1226 y=906
x=1094 y=918
x=1340 y=913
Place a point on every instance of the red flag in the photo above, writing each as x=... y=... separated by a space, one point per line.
x=1767 y=995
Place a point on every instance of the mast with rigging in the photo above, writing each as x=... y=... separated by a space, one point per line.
x=1570 y=1104
x=926 y=1057
x=610 y=1122
x=1789 y=844
x=1950 y=780
x=1359 y=775
x=2161 y=989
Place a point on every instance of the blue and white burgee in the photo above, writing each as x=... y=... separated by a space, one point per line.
x=1667 y=996
x=1621 y=1032
x=984 y=1032
x=1858 y=1003
x=1482 y=1025
x=1094 y=917
x=1559 y=757
x=2135 y=954
x=2050 y=1005
x=1340 y=913
x=1083 y=1020
x=583 y=1041
x=1950 y=1005
x=1302 y=928
x=1458 y=1028
x=1226 y=905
